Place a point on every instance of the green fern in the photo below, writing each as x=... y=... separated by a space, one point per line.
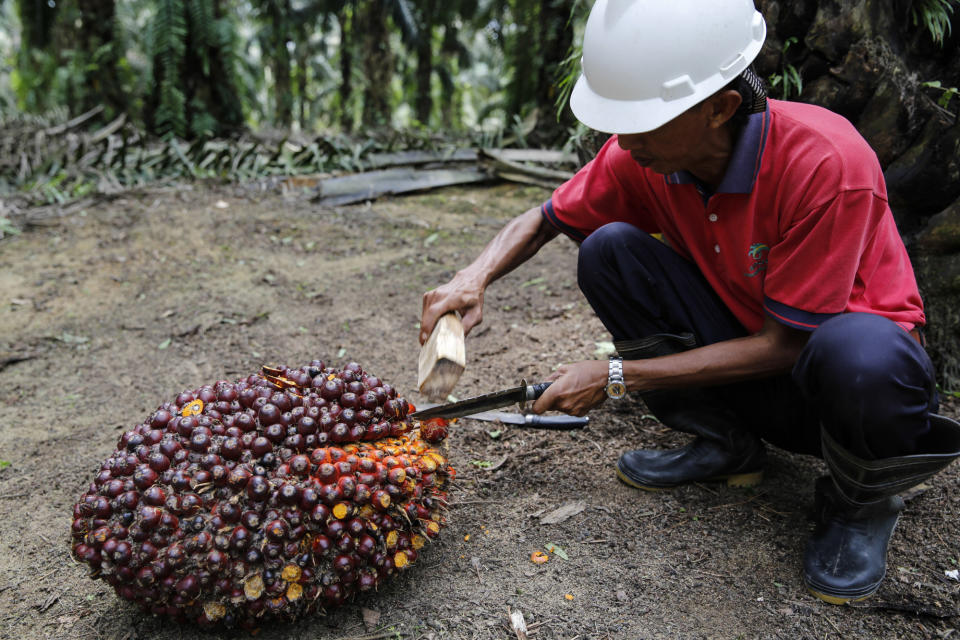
x=202 y=31
x=935 y=16
x=567 y=75
x=169 y=45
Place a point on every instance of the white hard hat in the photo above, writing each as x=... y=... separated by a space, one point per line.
x=647 y=61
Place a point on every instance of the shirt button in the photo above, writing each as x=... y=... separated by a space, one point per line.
x=716 y=248
x=713 y=217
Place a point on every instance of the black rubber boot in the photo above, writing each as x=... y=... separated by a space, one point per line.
x=846 y=558
x=721 y=450
x=857 y=510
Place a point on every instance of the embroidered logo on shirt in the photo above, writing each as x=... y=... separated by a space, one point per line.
x=757 y=253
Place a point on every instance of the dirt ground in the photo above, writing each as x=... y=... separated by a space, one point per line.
x=117 y=308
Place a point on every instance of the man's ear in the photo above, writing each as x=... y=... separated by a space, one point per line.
x=720 y=107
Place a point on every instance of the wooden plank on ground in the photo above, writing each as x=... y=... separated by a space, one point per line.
x=417 y=157
x=370 y=185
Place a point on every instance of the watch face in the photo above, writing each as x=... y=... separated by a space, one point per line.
x=616 y=390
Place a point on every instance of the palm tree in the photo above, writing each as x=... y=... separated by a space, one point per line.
x=194 y=90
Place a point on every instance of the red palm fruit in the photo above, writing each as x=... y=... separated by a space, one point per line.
x=381 y=499
x=367 y=581
x=326 y=473
x=362 y=494
x=258 y=488
x=216 y=561
x=331 y=389
x=144 y=476
x=343 y=563
x=150 y=517
x=434 y=429
x=320 y=513
x=249 y=484
x=366 y=545
x=268 y=414
x=299 y=465
x=277 y=529
x=251 y=519
x=331 y=494
x=334 y=595
x=188 y=587
x=347 y=486
x=320 y=544
x=309 y=499
x=334 y=529
x=239 y=538
x=190 y=503
x=239 y=477
x=288 y=493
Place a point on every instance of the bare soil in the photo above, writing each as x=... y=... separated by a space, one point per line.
x=118 y=308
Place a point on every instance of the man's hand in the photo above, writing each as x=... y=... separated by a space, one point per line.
x=460 y=294
x=513 y=245
x=577 y=388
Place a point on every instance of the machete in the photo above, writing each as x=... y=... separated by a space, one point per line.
x=554 y=423
x=522 y=394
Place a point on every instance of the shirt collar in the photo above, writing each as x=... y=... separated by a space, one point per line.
x=744 y=161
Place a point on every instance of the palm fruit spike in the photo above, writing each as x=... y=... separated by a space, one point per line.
x=276 y=496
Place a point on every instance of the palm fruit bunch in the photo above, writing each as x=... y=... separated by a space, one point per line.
x=276 y=496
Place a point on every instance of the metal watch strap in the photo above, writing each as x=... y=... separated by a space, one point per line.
x=615 y=385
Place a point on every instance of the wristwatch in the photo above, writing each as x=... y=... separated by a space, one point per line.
x=615 y=386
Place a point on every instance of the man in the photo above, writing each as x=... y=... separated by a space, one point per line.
x=780 y=306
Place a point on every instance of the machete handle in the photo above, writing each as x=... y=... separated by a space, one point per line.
x=538 y=390
x=556 y=423
x=531 y=393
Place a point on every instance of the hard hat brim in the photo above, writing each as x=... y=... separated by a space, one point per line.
x=624 y=116
x=639 y=116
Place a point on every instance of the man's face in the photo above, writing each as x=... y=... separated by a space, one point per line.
x=674 y=146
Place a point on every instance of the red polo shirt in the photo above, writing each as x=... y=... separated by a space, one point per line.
x=799 y=228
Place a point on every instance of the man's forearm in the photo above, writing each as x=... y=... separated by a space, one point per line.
x=773 y=351
x=516 y=243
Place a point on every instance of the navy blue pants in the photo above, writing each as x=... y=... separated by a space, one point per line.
x=865 y=379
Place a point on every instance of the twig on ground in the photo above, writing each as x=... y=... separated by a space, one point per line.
x=670 y=528
x=917 y=608
x=834 y=625
x=736 y=504
x=50 y=601
x=706 y=488
x=386 y=633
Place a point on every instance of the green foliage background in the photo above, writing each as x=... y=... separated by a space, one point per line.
x=199 y=68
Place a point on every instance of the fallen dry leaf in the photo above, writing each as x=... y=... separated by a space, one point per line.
x=371 y=618
x=563 y=512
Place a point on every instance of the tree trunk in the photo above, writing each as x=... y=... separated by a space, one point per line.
x=424 y=74
x=536 y=52
x=377 y=63
x=302 y=71
x=95 y=38
x=346 y=17
x=280 y=35
x=557 y=40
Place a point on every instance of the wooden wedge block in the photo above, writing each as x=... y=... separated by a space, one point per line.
x=443 y=358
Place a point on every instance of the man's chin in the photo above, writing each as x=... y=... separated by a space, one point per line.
x=652 y=165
